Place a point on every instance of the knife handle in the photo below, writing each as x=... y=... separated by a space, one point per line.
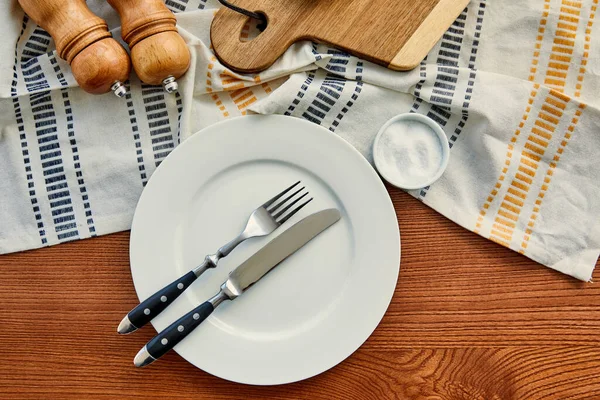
x=173 y=334
x=155 y=304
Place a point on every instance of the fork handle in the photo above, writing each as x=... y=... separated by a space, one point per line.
x=228 y=247
x=155 y=304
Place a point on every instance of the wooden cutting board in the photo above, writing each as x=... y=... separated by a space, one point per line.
x=395 y=33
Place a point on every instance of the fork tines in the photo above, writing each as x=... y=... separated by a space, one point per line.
x=278 y=209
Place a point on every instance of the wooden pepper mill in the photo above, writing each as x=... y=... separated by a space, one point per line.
x=159 y=55
x=98 y=62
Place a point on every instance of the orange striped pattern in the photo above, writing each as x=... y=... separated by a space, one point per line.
x=266 y=88
x=534 y=149
x=538 y=41
x=586 y=48
x=243 y=98
x=548 y=178
x=563 y=45
x=209 y=89
x=509 y=153
x=239 y=90
x=542 y=129
x=211 y=67
x=220 y=104
x=568 y=134
x=230 y=82
x=502 y=178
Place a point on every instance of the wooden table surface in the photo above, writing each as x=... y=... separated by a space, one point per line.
x=469 y=320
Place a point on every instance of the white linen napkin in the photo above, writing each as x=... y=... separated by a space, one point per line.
x=513 y=84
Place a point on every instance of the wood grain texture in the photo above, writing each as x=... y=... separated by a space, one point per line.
x=375 y=30
x=83 y=40
x=469 y=320
x=157 y=49
x=426 y=34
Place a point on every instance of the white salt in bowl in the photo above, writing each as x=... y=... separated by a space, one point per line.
x=411 y=151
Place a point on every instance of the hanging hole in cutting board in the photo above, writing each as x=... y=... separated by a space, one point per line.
x=252 y=28
x=256 y=23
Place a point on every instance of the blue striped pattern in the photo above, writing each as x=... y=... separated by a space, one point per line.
x=176 y=5
x=472 y=75
x=56 y=67
x=318 y=56
x=305 y=85
x=24 y=144
x=179 y=103
x=338 y=63
x=77 y=164
x=301 y=93
x=136 y=135
x=419 y=86
x=329 y=93
x=157 y=112
x=15 y=81
x=349 y=104
x=42 y=118
x=158 y=121
x=333 y=91
x=447 y=77
x=444 y=86
x=73 y=142
x=55 y=179
x=36 y=45
x=46 y=130
x=29 y=176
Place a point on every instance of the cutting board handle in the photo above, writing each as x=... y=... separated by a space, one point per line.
x=257 y=54
x=397 y=34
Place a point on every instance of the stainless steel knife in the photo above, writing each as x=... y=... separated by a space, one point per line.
x=240 y=279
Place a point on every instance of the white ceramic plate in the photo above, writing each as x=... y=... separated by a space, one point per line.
x=313 y=310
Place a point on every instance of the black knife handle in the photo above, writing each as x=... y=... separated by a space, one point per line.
x=155 y=304
x=173 y=334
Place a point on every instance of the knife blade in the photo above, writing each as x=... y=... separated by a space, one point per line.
x=240 y=279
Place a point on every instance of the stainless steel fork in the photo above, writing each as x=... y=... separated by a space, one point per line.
x=264 y=220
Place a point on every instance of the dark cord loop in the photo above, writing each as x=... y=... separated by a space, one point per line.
x=263 y=21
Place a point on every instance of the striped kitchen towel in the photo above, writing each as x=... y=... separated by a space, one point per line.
x=513 y=84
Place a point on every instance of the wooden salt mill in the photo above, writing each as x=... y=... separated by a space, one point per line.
x=99 y=64
x=159 y=55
